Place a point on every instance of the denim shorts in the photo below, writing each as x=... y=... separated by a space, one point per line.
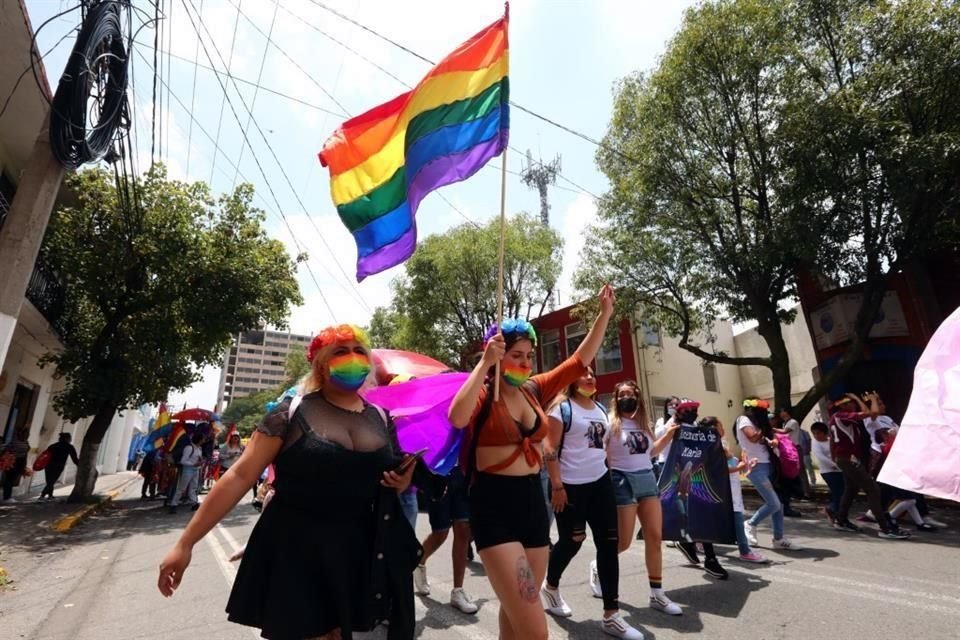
x=632 y=486
x=453 y=506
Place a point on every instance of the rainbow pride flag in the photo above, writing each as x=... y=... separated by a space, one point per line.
x=384 y=162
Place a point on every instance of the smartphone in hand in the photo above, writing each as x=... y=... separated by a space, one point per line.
x=409 y=459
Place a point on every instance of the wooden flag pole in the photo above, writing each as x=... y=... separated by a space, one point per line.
x=503 y=223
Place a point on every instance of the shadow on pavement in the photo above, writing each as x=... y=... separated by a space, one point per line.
x=440 y=615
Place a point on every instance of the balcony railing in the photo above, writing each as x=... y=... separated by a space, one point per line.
x=47 y=294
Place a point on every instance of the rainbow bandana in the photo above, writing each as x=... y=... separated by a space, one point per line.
x=349 y=371
x=516 y=376
x=339 y=333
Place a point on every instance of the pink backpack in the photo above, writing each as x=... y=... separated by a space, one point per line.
x=789 y=458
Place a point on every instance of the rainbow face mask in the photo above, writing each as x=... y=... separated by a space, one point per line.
x=516 y=376
x=349 y=371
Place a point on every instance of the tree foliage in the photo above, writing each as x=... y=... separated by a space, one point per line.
x=446 y=300
x=775 y=138
x=155 y=291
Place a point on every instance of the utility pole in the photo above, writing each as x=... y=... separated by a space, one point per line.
x=23 y=231
x=539 y=176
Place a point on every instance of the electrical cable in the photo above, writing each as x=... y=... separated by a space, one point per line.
x=276 y=159
x=193 y=95
x=280 y=94
x=256 y=92
x=101 y=38
x=233 y=42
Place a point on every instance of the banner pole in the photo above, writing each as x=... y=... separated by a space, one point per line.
x=503 y=223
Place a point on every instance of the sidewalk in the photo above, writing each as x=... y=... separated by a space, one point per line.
x=27 y=520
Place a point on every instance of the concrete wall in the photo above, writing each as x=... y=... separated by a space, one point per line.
x=758 y=381
x=667 y=370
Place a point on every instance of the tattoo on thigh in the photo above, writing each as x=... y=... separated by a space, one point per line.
x=525 y=580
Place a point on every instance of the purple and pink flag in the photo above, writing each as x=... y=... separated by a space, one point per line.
x=926 y=455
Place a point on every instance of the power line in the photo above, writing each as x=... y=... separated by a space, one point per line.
x=169 y=46
x=266 y=205
x=193 y=95
x=256 y=92
x=156 y=48
x=276 y=159
x=292 y=60
x=233 y=41
x=263 y=173
x=280 y=94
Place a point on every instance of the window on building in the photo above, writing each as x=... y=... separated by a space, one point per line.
x=710 y=376
x=651 y=335
x=575 y=333
x=609 y=358
x=550 y=355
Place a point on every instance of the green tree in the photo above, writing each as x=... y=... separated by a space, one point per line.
x=153 y=290
x=446 y=300
x=775 y=137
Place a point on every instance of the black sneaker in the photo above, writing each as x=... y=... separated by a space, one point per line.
x=712 y=567
x=923 y=526
x=847 y=526
x=893 y=534
x=792 y=513
x=690 y=552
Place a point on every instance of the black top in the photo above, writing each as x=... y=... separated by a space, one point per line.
x=332 y=549
x=59 y=452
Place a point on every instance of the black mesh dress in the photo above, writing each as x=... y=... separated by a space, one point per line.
x=332 y=550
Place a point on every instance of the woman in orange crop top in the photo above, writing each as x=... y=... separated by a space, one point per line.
x=508 y=515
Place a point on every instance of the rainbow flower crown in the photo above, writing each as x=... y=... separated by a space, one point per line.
x=754 y=402
x=339 y=333
x=512 y=326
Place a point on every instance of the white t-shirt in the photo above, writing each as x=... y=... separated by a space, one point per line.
x=756 y=450
x=630 y=450
x=793 y=430
x=658 y=430
x=874 y=425
x=583 y=459
x=191 y=456
x=736 y=492
x=821 y=454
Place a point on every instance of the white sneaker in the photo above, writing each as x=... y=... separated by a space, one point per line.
x=595 y=580
x=618 y=628
x=786 y=545
x=751 y=533
x=934 y=523
x=460 y=600
x=421 y=586
x=554 y=603
x=660 y=602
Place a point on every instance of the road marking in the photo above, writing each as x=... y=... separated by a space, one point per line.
x=940 y=597
x=226 y=567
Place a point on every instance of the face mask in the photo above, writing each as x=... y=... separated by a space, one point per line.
x=516 y=376
x=627 y=405
x=586 y=393
x=671 y=411
x=349 y=371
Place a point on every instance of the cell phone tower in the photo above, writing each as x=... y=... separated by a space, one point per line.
x=540 y=175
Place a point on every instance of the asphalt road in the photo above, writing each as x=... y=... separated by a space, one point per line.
x=99 y=582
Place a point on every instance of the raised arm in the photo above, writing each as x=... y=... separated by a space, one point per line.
x=668 y=435
x=465 y=402
x=588 y=349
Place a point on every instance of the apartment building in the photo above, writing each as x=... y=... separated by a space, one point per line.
x=256 y=362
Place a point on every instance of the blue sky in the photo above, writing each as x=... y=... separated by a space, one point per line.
x=565 y=57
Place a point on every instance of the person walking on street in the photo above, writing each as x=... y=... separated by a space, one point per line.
x=59 y=452
x=13 y=462
x=230 y=452
x=508 y=515
x=148 y=469
x=829 y=471
x=190 y=462
x=451 y=510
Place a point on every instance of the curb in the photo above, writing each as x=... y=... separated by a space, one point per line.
x=67 y=522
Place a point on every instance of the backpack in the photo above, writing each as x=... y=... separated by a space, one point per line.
x=789 y=458
x=566 y=417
